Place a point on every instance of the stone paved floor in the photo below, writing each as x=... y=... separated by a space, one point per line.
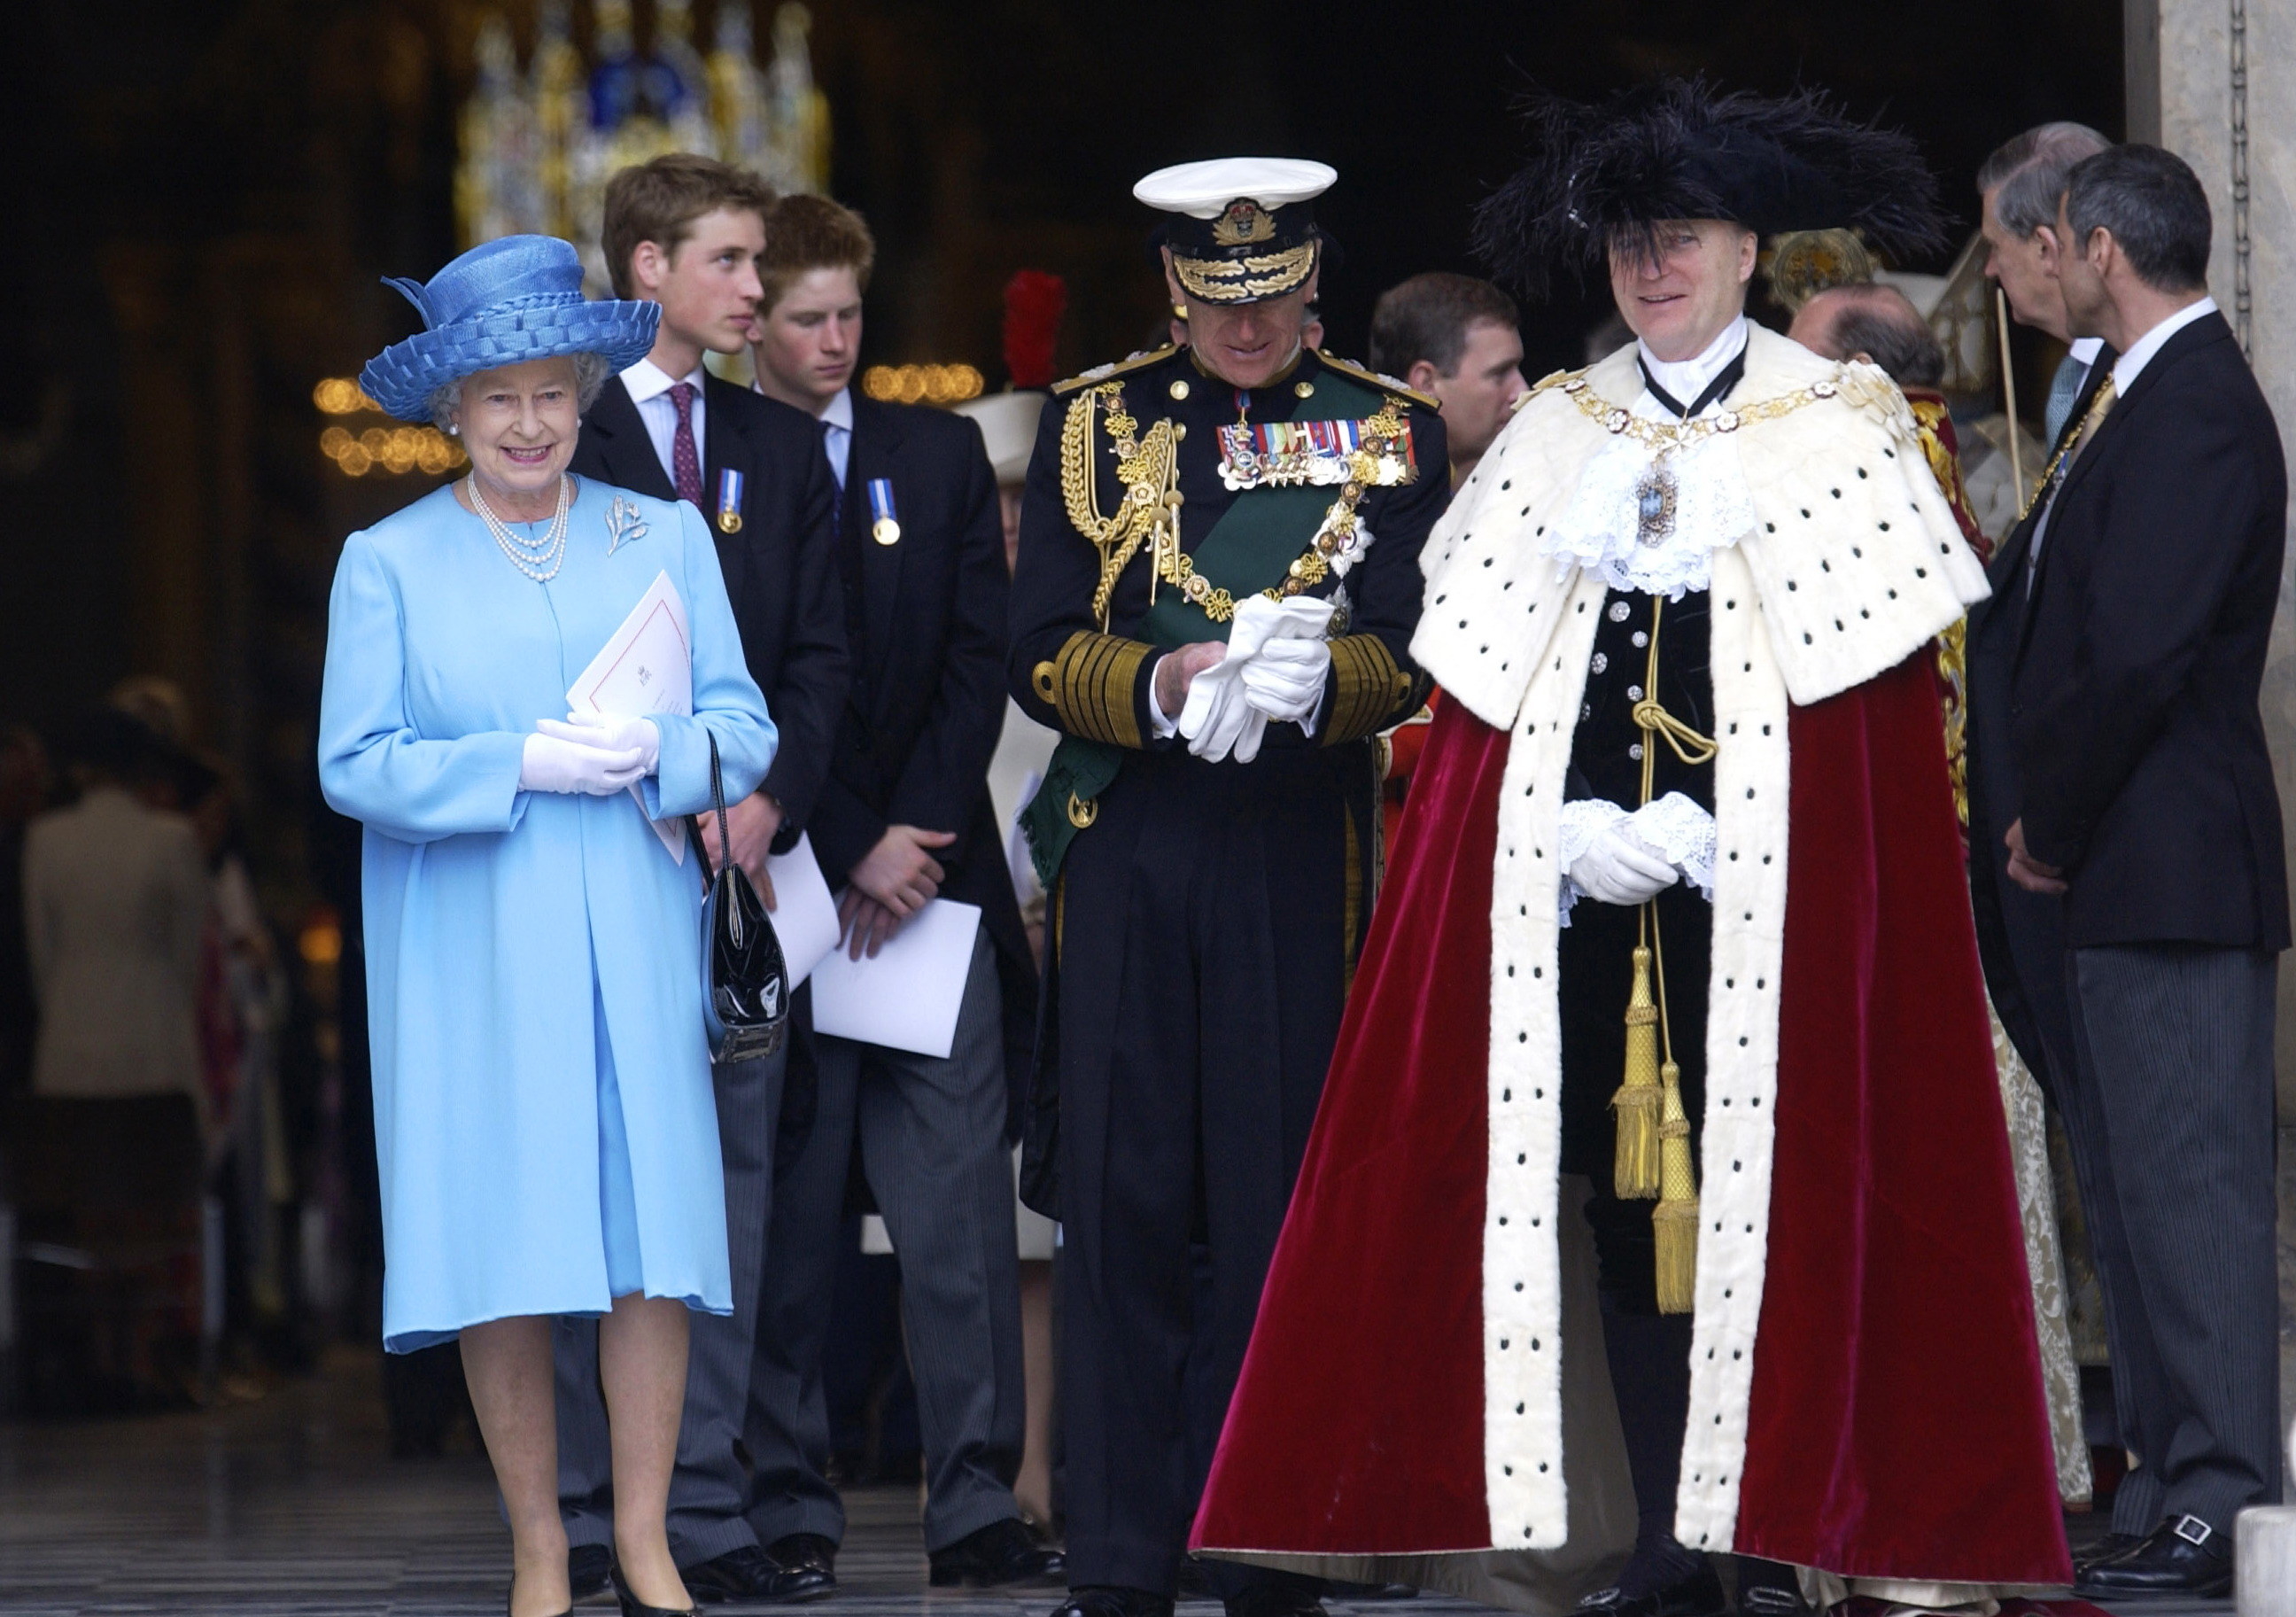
x=290 y=1504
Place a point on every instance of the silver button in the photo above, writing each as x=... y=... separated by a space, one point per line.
x=1618 y=611
x=1598 y=664
x=1635 y=751
x=1641 y=639
x=1634 y=692
x=1586 y=710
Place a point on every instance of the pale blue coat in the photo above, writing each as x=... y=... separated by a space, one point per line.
x=506 y=929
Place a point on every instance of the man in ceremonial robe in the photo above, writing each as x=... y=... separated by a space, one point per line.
x=1681 y=614
x=1216 y=591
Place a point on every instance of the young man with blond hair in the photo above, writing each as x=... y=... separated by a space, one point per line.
x=685 y=232
x=906 y=817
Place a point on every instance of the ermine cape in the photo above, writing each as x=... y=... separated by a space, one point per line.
x=1866 y=1392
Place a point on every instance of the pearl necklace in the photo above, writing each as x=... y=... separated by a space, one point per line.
x=538 y=556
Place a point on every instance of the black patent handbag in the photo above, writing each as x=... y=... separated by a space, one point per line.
x=745 y=992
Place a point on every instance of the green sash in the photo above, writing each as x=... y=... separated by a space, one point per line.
x=1250 y=549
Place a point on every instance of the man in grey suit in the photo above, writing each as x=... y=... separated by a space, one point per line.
x=904 y=818
x=2152 y=570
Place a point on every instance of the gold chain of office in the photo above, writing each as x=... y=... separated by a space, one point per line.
x=1665 y=436
x=1149 y=469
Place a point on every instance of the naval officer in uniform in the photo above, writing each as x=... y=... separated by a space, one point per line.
x=1218 y=583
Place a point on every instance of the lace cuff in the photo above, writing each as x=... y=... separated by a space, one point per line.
x=1679 y=831
x=1583 y=820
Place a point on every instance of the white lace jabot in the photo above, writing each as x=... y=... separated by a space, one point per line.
x=1600 y=530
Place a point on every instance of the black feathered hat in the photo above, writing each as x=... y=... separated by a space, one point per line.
x=1677 y=149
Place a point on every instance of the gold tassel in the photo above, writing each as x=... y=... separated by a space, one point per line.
x=1675 y=1224
x=1636 y=1173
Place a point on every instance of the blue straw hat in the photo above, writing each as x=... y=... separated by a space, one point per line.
x=504 y=302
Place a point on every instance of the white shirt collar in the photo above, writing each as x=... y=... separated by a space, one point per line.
x=2085 y=350
x=2141 y=351
x=647 y=380
x=1686 y=379
x=840 y=412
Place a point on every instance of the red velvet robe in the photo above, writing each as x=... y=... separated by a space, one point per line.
x=1897 y=1425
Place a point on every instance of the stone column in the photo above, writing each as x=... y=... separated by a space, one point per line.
x=2192 y=90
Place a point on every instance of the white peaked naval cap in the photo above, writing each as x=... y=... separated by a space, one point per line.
x=1202 y=191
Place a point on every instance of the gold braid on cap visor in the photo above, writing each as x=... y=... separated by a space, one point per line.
x=1243 y=280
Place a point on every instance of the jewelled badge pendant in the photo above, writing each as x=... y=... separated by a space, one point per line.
x=1655 y=495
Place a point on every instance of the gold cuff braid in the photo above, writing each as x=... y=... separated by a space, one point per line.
x=1090 y=685
x=1368 y=689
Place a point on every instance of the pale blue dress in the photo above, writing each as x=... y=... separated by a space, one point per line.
x=544 y=1117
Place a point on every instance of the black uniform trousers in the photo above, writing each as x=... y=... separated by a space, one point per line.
x=1205 y=925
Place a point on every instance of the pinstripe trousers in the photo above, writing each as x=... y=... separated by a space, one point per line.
x=2173 y=1046
x=933 y=1147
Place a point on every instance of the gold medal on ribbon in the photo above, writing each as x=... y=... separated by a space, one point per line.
x=885 y=524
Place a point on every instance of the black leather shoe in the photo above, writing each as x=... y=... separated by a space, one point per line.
x=1109 y=1600
x=587 y=1566
x=632 y=1606
x=1699 y=1594
x=1285 y=1597
x=804 y=1568
x=745 y=1573
x=2185 y=1557
x=1002 y=1555
x=2110 y=1547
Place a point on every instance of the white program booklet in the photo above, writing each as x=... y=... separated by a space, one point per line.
x=645 y=668
x=804 y=916
x=907 y=995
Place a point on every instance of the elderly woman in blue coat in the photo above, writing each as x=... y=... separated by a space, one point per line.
x=544 y=1119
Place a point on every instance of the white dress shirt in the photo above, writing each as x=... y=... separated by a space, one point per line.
x=650 y=385
x=1686 y=379
x=837 y=436
x=2085 y=351
x=2140 y=352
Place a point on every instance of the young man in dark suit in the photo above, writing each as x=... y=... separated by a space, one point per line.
x=2148 y=803
x=905 y=817
x=685 y=232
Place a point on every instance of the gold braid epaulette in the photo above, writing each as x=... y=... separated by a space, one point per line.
x=1367 y=689
x=1148 y=467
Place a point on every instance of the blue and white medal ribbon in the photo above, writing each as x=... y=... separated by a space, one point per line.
x=884 y=523
x=729 y=501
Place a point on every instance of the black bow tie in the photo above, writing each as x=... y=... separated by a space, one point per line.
x=1728 y=377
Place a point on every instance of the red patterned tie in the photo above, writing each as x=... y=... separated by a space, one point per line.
x=684 y=460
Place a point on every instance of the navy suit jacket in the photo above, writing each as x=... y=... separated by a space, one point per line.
x=780 y=566
x=2141 y=757
x=926 y=619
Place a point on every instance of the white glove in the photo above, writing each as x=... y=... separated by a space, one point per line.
x=553 y=764
x=1285 y=681
x=1219 y=717
x=1618 y=869
x=612 y=732
x=1602 y=858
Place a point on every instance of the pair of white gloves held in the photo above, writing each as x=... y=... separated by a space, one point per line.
x=1615 y=856
x=596 y=753
x=1276 y=662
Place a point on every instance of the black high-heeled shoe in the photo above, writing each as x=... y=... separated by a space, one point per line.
x=632 y=1606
